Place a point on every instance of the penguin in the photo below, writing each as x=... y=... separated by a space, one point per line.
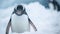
x=19 y=21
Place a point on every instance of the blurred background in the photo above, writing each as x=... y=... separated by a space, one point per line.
x=7 y=3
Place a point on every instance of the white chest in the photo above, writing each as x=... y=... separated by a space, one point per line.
x=20 y=23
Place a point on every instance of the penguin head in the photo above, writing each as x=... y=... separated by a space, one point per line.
x=19 y=10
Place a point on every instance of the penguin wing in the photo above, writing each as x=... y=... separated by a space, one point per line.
x=32 y=24
x=8 y=26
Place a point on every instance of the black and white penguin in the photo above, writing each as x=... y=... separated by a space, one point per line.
x=19 y=21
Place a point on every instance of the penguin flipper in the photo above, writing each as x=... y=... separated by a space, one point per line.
x=34 y=27
x=8 y=26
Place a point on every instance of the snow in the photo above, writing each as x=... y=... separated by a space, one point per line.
x=46 y=20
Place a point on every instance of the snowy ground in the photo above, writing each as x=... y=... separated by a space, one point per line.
x=46 y=20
